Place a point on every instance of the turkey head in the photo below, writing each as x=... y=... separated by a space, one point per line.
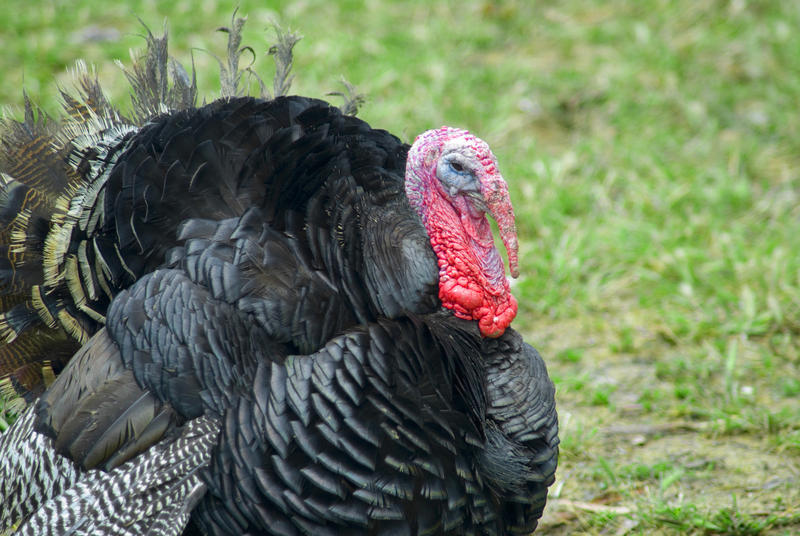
x=452 y=182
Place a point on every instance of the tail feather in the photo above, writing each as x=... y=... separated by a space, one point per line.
x=30 y=363
x=16 y=320
x=33 y=178
x=51 y=296
x=63 y=256
x=88 y=111
x=27 y=154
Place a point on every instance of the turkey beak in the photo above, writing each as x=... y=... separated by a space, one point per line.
x=498 y=203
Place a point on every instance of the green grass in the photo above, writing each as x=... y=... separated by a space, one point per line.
x=653 y=153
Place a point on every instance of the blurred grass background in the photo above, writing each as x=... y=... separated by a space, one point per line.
x=653 y=153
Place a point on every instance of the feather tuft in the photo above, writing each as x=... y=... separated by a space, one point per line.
x=282 y=52
x=353 y=100
x=159 y=83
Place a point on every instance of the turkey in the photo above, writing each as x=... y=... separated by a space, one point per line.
x=271 y=319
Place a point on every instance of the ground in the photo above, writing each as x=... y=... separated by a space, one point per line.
x=653 y=154
x=690 y=468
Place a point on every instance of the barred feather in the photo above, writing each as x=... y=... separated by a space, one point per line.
x=45 y=472
x=153 y=494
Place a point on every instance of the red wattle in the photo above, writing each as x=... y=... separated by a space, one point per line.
x=465 y=289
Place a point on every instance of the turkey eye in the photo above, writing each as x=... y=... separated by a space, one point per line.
x=458 y=168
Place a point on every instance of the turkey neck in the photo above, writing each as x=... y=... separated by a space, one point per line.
x=472 y=282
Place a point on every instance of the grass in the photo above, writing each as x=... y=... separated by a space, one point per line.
x=653 y=152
